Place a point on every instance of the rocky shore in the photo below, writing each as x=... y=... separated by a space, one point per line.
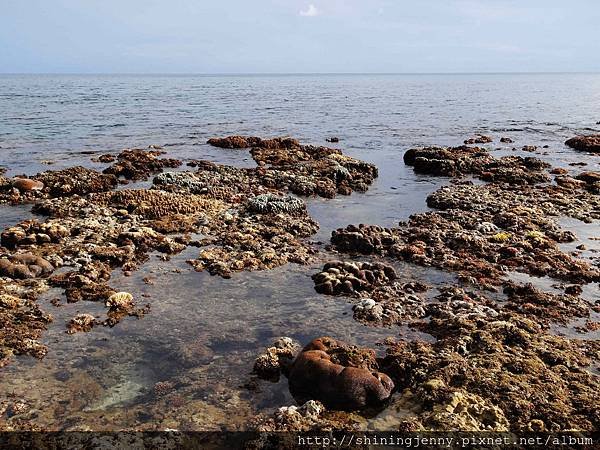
x=489 y=357
x=246 y=218
x=494 y=355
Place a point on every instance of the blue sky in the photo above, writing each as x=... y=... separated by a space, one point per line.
x=289 y=36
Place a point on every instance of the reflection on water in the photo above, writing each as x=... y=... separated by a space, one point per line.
x=201 y=337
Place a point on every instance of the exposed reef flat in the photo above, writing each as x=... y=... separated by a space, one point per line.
x=241 y=219
x=494 y=353
x=476 y=350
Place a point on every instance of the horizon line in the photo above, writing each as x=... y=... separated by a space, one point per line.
x=208 y=74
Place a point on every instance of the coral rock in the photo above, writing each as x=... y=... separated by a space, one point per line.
x=276 y=359
x=81 y=323
x=24 y=265
x=585 y=143
x=120 y=301
x=27 y=184
x=322 y=371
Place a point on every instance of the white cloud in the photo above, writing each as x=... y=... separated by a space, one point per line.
x=312 y=11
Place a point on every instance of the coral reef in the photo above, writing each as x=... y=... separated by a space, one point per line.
x=244 y=217
x=460 y=161
x=81 y=323
x=491 y=359
x=21 y=325
x=136 y=164
x=310 y=416
x=492 y=374
x=270 y=203
x=340 y=277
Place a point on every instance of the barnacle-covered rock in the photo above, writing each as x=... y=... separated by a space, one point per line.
x=276 y=359
x=75 y=181
x=270 y=203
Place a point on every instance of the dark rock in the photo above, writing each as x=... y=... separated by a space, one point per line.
x=136 y=164
x=585 y=143
x=479 y=139
x=460 y=161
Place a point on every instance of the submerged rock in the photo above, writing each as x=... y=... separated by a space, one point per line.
x=276 y=359
x=81 y=323
x=479 y=139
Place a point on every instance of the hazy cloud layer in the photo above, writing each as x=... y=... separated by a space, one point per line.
x=244 y=36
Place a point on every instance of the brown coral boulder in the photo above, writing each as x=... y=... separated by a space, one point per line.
x=24 y=265
x=329 y=371
x=27 y=184
x=589 y=143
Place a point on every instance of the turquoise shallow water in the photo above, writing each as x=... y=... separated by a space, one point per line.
x=49 y=122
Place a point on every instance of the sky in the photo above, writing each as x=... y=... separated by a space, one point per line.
x=298 y=36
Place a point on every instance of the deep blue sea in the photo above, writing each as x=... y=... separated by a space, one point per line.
x=50 y=121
